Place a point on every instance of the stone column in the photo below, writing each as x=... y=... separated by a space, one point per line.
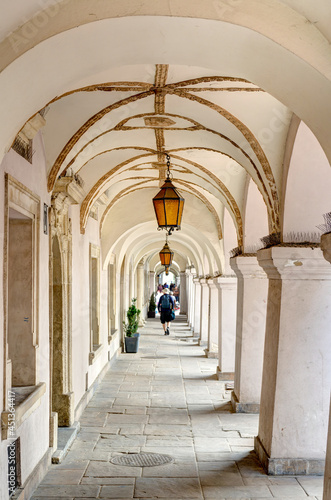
x=191 y=298
x=326 y=249
x=197 y=307
x=151 y=282
x=295 y=393
x=204 y=311
x=250 y=331
x=183 y=293
x=140 y=290
x=227 y=318
x=213 y=325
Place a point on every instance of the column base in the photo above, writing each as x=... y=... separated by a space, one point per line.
x=224 y=375
x=211 y=354
x=288 y=466
x=202 y=342
x=243 y=407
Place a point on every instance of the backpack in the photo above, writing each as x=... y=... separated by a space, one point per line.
x=166 y=303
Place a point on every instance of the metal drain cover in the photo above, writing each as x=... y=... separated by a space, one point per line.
x=141 y=459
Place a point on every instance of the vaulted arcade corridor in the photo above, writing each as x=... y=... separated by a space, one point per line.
x=103 y=102
x=167 y=400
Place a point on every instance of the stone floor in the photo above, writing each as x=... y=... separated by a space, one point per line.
x=166 y=399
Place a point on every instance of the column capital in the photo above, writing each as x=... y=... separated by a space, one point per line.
x=294 y=263
x=222 y=283
x=203 y=281
x=247 y=267
x=196 y=281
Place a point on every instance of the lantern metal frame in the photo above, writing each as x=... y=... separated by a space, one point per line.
x=162 y=201
x=166 y=254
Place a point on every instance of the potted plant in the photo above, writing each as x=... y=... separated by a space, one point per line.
x=152 y=306
x=131 y=338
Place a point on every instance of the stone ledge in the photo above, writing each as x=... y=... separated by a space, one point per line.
x=288 y=466
x=243 y=407
x=93 y=355
x=23 y=410
x=65 y=438
x=211 y=354
x=224 y=375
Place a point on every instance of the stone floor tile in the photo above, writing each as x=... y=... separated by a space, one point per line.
x=103 y=403
x=132 y=429
x=238 y=492
x=108 y=442
x=167 y=430
x=312 y=485
x=107 y=469
x=130 y=402
x=51 y=498
x=168 y=488
x=175 y=406
x=71 y=491
x=211 y=444
x=117 y=491
x=178 y=469
x=240 y=441
x=72 y=463
x=283 y=490
x=62 y=476
x=230 y=478
x=179 y=453
x=108 y=480
x=126 y=419
x=171 y=441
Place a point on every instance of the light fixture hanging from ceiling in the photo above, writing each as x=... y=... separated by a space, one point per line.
x=166 y=254
x=168 y=205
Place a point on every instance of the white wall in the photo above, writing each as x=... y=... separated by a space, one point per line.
x=308 y=189
x=255 y=220
x=34 y=432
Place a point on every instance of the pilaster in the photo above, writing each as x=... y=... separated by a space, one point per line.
x=250 y=332
x=223 y=309
x=204 y=311
x=183 y=293
x=196 y=306
x=295 y=392
x=326 y=249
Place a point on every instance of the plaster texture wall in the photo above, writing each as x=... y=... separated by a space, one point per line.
x=34 y=432
x=251 y=306
x=308 y=187
x=227 y=320
x=84 y=374
x=255 y=220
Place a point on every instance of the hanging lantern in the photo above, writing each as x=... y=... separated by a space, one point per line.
x=166 y=255
x=168 y=205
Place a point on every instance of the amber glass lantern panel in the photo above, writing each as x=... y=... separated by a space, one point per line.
x=166 y=255
x=168 y=206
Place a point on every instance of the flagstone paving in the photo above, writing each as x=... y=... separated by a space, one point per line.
x=166 y=400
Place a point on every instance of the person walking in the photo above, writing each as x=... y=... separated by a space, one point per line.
x=165 y=307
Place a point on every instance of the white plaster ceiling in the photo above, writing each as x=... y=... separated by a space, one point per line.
x=213 y=85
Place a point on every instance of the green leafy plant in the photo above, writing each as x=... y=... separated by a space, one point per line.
x=152 y=303
x=131 y=327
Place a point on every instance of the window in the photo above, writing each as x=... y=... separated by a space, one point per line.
x=94 y=301
x=21 y=269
